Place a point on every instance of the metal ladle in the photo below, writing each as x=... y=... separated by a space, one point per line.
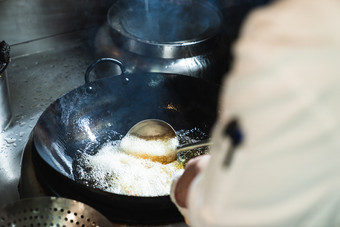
x=154 y=129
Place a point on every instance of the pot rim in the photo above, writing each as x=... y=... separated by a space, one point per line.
x=173 y=49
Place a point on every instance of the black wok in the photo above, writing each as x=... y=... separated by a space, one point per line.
x=89 y=115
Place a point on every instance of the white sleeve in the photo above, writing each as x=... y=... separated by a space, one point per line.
x=285 y=89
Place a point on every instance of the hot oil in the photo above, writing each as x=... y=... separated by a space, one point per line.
x=114 y=171
x=191 y=136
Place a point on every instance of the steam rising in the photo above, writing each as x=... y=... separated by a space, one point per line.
x=167 y=20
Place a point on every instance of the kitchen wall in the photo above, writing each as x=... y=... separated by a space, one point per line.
x=26 y=20
x=23 y=21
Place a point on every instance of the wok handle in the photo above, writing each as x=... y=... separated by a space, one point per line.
x=93 y=65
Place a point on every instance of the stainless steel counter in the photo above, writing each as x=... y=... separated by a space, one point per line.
x=50 y=50
x=36 y=80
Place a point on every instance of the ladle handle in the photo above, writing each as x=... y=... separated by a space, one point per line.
x=202 y=143
x=93 y=65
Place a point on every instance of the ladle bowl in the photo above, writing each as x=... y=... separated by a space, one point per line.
x=152 y=131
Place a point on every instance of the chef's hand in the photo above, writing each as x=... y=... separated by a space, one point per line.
x=192 y=169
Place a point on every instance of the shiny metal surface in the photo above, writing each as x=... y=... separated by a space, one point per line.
x=201 y=66
x=51 y=211
x=50 y=48
x=5 y=109
x=35 y=80
x=165 y=29
x=172 y=36
x=158 y=130
x=152 y=129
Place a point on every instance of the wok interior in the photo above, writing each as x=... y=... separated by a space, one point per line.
x=85 y=118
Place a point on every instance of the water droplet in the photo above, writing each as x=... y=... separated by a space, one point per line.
x=10 y=140
x=126 y=80
x=90 y=90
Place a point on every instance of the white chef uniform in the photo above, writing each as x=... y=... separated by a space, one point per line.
x=285 y=90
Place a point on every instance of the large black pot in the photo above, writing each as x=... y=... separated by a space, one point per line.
x=89 y=115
